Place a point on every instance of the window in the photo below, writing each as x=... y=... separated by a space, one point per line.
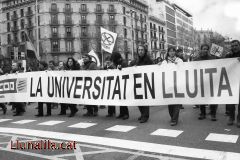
x=83 y=7
x=30 y=22
x=54 y=30
x=8 y=16
x=124 y=10
x=39 y=20
x=83 y=17
x=124 y=21
x=84 y=31
x=15 y=13
x=112 y=28
x=68 y=31
x=67 y=6
x=111 y=18
x=69 y=46
x=22 y=12
x=54 y=6
x=55 y=46
x=22 y=23
x=99 y=18
x=150 y=25
x=9 y=38
x=23 y=36
x=111 y=7
x=99 y=7
x=15 y=38
x=8 y=27
x=15 y=24
x=68 y=18
x=125 y=33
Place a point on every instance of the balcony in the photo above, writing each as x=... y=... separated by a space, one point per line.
x=136 y=17
x=112 y=11
x=144 y=29
x=68 y=22
x=53 y=10
x=99 y=22
x=83 y=23
x=138 y=28
x=55 y=36
x=84 y=35
x=112 y=23
x=154 y=38
x=14 y=17
x=68 y=36
x=142 y=19
x=99 y=11
x=54 y=22
x=15 y=29
x=83 y=10
x=68 y=10
x=29 y=13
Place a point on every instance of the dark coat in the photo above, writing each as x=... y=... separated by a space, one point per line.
x=141 y=61
x=233 y=55
x=90 y=66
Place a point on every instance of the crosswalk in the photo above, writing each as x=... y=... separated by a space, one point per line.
x=172 y=133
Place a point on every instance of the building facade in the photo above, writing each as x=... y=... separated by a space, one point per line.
x=184 y=29
x=157 y=37
x=70 y=28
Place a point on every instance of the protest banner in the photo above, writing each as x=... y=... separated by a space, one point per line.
x=202 y=82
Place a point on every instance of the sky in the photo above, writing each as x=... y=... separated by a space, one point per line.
x=222 y=16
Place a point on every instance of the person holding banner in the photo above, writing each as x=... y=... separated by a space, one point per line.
x=63 y=109
x=43 y=66
x=72 y=65
x=205 y=55
x=2 y=105
x=92 y=110
x=20 y=106
x=119 y=63
x=109 y=65
x=235 y=47
x=173 y=110
x=143 y=59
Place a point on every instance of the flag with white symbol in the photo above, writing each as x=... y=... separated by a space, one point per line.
x=94 y=57
x=108 y=40
x=216 y=50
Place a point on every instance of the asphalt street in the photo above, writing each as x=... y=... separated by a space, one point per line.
x=102 y=138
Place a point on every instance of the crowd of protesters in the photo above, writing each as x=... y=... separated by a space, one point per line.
x=116 y=61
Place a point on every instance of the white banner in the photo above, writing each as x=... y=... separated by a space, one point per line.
x=203 y=82
x=108 y=40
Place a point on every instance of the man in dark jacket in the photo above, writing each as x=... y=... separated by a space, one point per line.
x=205 y=55
x=2 y=105
x=235 y=47
x=20 y=106
x=119 y=63
x=92 y=110
x=143 y=59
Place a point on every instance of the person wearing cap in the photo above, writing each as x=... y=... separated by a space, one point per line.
x=88 y=64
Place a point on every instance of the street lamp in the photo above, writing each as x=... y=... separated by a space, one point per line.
x=131 y=12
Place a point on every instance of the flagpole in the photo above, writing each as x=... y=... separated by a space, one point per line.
x=102 y=55
x=37 y=38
